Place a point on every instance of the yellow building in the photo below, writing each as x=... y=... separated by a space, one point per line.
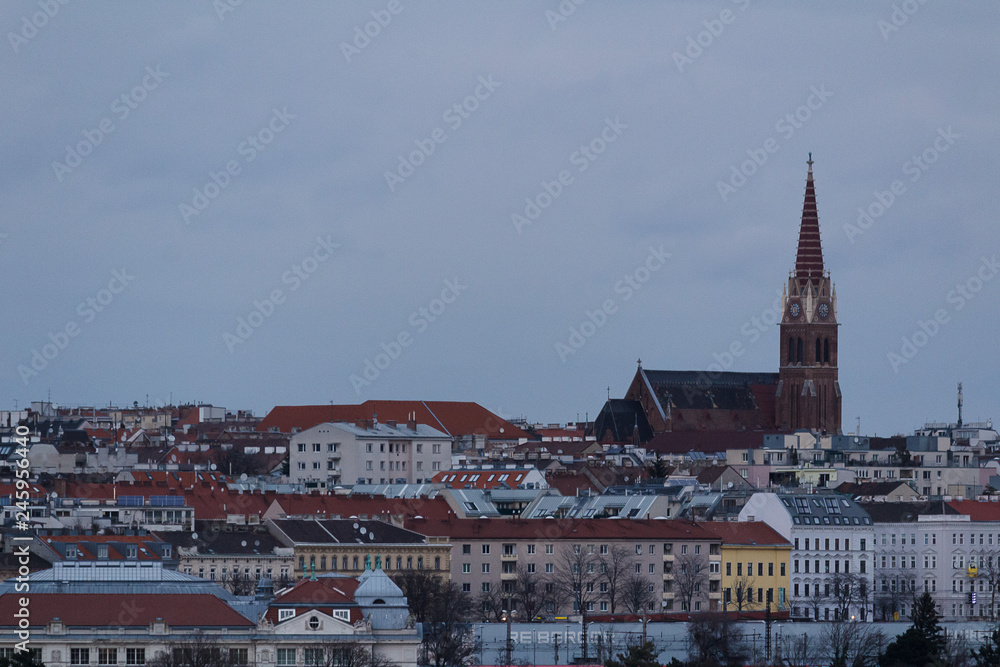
x=755 y=566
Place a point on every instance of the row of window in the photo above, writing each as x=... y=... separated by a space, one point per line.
x=109 y=656
x=356 y=564
x=331 y=447
x=510 y=549
x=760 y=569
x=826 y=566
x=826 y=544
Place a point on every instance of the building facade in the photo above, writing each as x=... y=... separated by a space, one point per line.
x=333 y=454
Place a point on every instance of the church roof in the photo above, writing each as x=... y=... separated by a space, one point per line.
x=698 y=400
x=622 y=420
x=809 y=258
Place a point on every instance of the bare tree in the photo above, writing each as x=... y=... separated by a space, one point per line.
x=614 y=567
x=814 y=601
x=852 y=644
x=346 y=654
x=200 y=650
x=636 y=593
x=446 y=613
x=742 y=594
x=576 y=577
x=690 y=579
x=716 y=640
x=989 y=574
x=531 y=597
x=239 y=583
x=800 y=651
x=490 y=603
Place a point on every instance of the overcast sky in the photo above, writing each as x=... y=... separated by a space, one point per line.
x=170 y=168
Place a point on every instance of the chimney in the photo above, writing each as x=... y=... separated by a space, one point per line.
x=411 y=421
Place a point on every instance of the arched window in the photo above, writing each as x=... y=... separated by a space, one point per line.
x=826 y=350
x=818 y=357
x=798 y=350
x=791 y=350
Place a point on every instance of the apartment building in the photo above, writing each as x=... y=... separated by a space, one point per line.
x=345 y=546
x=371 y=452
x=833 y=541
x=680 y=560
x=756 y=562
x=948 y=549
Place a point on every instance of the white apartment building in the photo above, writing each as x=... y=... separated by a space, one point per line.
x=343 y=453
x=832 y=557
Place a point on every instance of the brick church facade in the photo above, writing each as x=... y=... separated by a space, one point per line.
x=803 y=394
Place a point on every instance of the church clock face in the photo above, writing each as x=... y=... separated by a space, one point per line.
x=793 y=310
x=824 y=310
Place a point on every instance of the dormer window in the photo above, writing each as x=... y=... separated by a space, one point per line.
x=285 y=614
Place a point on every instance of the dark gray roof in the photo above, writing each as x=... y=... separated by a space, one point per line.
x=220 y=542
x=824 y=509
x=345 y=531
x=906 y=512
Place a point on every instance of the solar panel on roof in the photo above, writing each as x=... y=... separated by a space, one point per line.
x=131 y=501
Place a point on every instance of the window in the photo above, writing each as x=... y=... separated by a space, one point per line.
x=485 y=587
x=549 y=568
x=286 y=657
x=107 y=656
x=783 y=569
x=486 y=548
x=697 y=550
x=770 y=569
x=729 y=569
x=531 y=568
x=239 y=656
x=313 y=656
x=466 y=568
x=531 y=549
x=466 y=587
x=466 y=549
x=79 y=656
x=135 y=656
x=549 y=549
x=486 y=568
x=302 y=446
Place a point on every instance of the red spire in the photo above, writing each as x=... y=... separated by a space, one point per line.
x=809 y=259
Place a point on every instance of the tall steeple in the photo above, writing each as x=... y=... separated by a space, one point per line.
x=808 y=394
x=809 y=258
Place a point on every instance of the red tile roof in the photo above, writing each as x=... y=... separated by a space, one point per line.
x=320 y=595
x=453 y=417
x=108 y=609
x=977 y=510
x=746 y=533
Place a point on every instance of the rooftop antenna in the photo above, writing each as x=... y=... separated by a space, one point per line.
x=858 y=432
x=959 y=405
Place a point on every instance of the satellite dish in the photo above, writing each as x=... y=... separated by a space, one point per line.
x=371 y=536
x=364 y=531
x=356 y=526
x=418 y=517
x=170 y=438
x=243 y=477
x=212 y=467
x=730 y=485
x=243 y=543
x=194 y=536
x=256 y=543
x=55 y=495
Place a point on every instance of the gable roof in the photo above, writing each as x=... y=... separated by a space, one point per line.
x=456 y=418
x=746 y=533
x=718 y=401
x=105 y=609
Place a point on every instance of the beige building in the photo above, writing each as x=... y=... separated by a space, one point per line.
x=680 y=559
x=342 y=546
x=345 y=453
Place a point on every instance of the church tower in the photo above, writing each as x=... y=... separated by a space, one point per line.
x=808 y=394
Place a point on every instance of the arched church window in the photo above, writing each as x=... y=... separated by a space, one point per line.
x=818 y=356
x=798 y=350
x=826 y=350
x=791 y=350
